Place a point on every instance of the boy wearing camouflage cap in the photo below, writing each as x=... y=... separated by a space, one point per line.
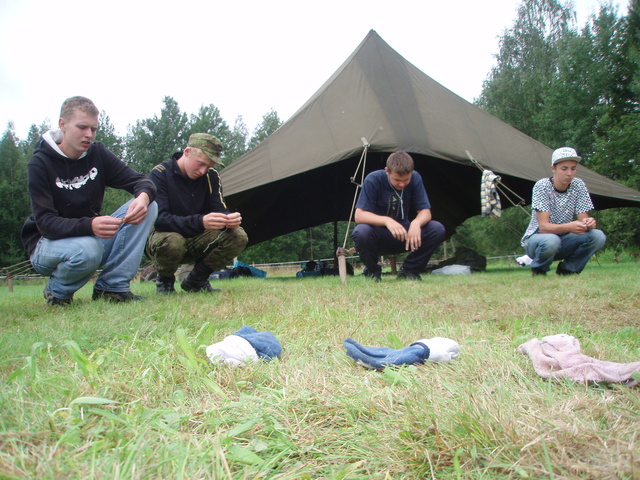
x=194 y=224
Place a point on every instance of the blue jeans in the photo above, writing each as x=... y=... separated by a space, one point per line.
x=71 y=262
x=575 y=250
x=372 y=241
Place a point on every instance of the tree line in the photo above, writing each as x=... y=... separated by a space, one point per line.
x=557 y=83
x=569 y=86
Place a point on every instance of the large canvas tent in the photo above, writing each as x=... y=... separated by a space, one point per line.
x=300 y=176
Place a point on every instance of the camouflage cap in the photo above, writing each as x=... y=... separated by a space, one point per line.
x=210 y=145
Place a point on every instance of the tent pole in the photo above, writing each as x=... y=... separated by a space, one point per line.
x=335 y=240
x=342 y=251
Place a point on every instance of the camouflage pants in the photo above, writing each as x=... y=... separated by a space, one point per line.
x=215 y=248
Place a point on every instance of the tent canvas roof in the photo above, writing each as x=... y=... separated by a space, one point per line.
x=300 y=176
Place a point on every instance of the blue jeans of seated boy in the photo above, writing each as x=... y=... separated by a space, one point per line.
x=71 y=262
x=575 y=250
x=373 y=241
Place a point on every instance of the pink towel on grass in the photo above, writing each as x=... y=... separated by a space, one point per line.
x=558 y=356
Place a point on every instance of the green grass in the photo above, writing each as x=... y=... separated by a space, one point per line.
x=102 y=391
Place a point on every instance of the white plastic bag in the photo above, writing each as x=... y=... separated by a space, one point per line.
x=453 y=270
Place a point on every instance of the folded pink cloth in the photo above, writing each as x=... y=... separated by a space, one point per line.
x=558 y=356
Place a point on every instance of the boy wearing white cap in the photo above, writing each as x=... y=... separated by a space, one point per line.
x=560 y=226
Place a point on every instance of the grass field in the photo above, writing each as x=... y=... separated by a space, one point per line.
x=106 y=391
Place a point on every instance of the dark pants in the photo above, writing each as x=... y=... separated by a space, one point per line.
x=371 y=242
x=215 y=248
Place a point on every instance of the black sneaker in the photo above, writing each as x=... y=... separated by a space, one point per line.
x=374 y=276
x=115 y=297
x=408 y=275
x=205 y=286
x=55 y=301
x=164 y=285
x=536 y=271
x=561 y=270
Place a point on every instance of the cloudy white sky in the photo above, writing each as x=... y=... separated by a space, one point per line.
x=246 y=57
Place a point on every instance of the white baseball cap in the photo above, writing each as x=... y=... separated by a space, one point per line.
x=564 y=153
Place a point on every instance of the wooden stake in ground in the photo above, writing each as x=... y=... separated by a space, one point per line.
x=341 y=253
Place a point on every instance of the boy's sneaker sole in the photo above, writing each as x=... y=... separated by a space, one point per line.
x=115 y=297
x=54 y=301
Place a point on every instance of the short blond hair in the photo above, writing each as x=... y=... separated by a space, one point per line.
x=72 y=104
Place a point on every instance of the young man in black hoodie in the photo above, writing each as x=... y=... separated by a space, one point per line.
x=194 y=225
x=67 y=237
